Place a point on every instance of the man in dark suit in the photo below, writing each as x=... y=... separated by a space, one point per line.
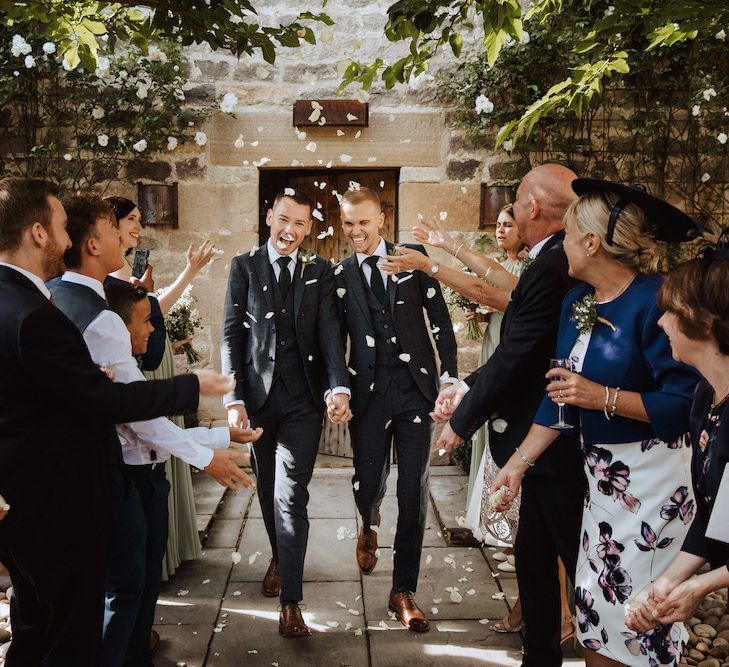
x=395 y=382
x=509 y=388
x=57 y=407
x=281 y=340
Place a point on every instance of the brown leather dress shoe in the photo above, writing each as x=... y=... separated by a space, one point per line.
x=407 y=612
x=271 y=585
x=153 y=642
x=291 y=623
x=366 y=549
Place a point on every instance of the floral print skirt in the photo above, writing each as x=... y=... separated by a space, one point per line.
x=638 y=508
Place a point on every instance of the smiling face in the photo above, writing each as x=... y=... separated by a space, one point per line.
x=362 y=222
x=507 y=235
x=290 y=224
x=139 y=326
x=130 y=229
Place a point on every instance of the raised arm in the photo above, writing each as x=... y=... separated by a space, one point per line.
x=196 y=261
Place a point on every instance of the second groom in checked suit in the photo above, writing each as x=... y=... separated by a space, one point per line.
x=395 y=382
x=281 y=339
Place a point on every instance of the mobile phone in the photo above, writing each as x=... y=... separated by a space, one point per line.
x=141 y=259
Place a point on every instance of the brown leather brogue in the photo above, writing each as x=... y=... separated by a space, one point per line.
x=366 y=549
x=153 y=642
x=408 y=612
x=271 y=584
x=291 y=622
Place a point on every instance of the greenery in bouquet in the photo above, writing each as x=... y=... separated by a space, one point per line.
x=182 y=320
x=457 y=300
x=461 y=455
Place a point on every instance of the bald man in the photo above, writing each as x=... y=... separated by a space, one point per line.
x=509 y=388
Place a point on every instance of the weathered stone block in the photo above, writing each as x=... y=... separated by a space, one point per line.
x=463 y=170
x=152 y=171
x=214 y=70
x=508 y=171
x=190 y=169
x=204 y=94
x=460 y=202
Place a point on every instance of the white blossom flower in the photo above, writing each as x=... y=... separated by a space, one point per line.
x=508 y=145
x=238 y=143
x=227 y=105
x=179 y=95
x=140 y=146
x=102 y=67
x=709 y=93
x=721 y=35
x=29 y=62
x=695 y=109
x=721 y=137
x=705 y=177
x=103 y=139
x=97 y=113
x=155 y=54
x=68 y=157
x=171 y=143
x=49 y=48
x=526 y=38
x=484 y=104
x=235 y=19
x=610 y=10
x=66 y=65
x=142 y=91
x=201 y=138
x=20 y=47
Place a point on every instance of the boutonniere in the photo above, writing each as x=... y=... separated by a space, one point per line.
x=395 y=252
x=528 y=261
x=584 y=315
x=307 y=257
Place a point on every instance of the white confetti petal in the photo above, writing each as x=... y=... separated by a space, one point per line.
x=498 y=596
x=311 y=146
x=182 y=593
x=235 y=556
x=345 y=158
x=384 y=625
x=370 y=341
x=351 y=371
x=252 y=557
x=443 y=215
x=269 y=315
x=430 y=293
x=417 y=420
x=355 y=486
x=317 y=214
x=387 y=425
x=354 y=612
x=341 y=292
x=471 y=591
x=456 y=597
x=358 y=632
x=340 y=133
x=341 y=604
x=441 y=451
x=428 y=559
x=434 y=610
x=289 y=192
x=405 y=357
x=483 y=621
x=206 y=581
x=351 y=117
x=333 y=624
x=236 y=594
x=424 y=371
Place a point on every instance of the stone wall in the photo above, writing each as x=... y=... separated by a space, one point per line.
x=219 y=183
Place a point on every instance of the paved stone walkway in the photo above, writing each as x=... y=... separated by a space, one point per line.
x=211 y=614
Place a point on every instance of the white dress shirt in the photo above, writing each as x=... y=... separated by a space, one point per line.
x=108 y=341
x=36 y=280
x=273 y=257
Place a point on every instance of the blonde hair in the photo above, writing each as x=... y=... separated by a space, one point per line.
x=633 y=243
x=359 y=195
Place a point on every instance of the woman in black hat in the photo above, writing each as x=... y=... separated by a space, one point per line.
x=630 y=401
x=695 y=299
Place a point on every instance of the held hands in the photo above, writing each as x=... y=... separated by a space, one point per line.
x=214 y=384
x=224 y=469
x=574 y=389
x=338 y=409
x=146 y=281
x=666 y=603
x=448 y=440
x=432 y=233
x=408 y=259
x=448 y=400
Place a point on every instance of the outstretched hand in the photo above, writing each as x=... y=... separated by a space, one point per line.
x=433 y=233
x=224 y=468
x=407 y=259
x=200 y=258
x=214 y=384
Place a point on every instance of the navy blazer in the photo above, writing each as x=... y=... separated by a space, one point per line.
x=635 y=357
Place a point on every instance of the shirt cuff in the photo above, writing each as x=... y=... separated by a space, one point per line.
x=463 y=387
x=231 y=403
x=446 y=378
x=221 y=439
x=202 y=457
x=337 y=390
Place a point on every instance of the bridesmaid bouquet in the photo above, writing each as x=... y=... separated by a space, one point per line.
x=456 y=300
x=182 y=320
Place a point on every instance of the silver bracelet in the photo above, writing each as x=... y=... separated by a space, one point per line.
x=605 y=407
x=524 y=458
x=455 y=254
x=614 y=406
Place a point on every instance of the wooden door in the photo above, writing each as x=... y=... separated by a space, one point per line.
x=322 y=186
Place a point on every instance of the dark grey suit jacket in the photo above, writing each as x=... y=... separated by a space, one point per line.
x=248 y=347
x=411 y=295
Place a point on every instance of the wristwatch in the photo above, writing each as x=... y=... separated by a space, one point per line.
x=433 y=270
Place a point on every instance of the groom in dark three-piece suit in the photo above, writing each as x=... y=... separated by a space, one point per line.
x=281 y=340
x=57 y=408
x=395 y=383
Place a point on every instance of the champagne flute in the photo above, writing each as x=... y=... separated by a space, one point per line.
x=567 y=364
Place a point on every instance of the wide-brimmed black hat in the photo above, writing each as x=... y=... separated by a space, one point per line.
x=670 y=223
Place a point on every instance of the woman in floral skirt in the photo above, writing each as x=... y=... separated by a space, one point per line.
x=631 y=400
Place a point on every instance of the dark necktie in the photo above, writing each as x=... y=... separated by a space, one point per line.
x=284 y=277
x=376 y=283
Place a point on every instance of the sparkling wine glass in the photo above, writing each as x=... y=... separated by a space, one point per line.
x=567 y=364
